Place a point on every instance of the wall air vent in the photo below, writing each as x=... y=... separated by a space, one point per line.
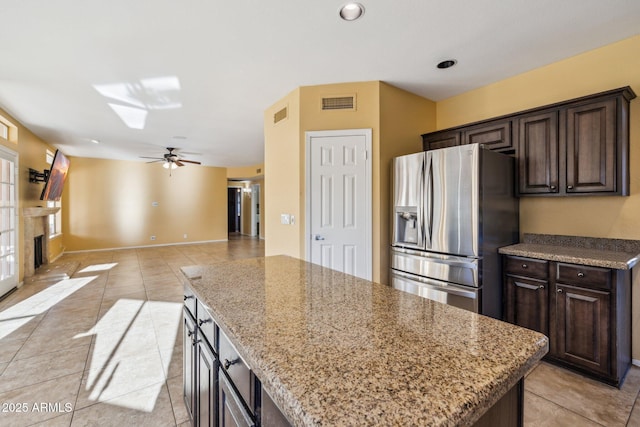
x=280 y=115
x=259 y=170
x=339 y=103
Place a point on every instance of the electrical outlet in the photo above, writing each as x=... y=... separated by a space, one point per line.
x=154 y=204
x=153 y=237
x=185 y=235
x=285 y=219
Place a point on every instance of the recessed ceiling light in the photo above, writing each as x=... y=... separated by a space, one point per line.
x=351 y=11
x=447 y=64
x=95 y=141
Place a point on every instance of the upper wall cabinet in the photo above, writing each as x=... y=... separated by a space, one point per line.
x=575 y=147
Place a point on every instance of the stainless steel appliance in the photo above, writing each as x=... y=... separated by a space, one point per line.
x=452 y=209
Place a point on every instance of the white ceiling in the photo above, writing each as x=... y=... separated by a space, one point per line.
x=205 y=70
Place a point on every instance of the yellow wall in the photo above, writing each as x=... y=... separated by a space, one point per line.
x=31 y=154
x=403 y=118
x=245 y=172
x=610 y=67
x=108 y=204
x=283 y=174
x=397 y=118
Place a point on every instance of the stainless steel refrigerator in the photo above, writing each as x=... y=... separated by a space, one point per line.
x=452 y=209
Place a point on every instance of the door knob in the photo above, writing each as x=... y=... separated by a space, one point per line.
x=319 y=237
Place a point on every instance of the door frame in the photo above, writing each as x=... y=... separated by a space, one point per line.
x=6 y=151
x=367 y=133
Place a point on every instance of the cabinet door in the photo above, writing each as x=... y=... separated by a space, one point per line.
x=189 y=362
x=207 y=385
x=591 y=148
x=582 y=327
x=494 y=136
x=527 y=302
x=231 y=410
x=433 y=141
x=538 y=153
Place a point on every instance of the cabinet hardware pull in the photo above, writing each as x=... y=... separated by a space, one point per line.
x=228 y=363
x=194 y=341
x=186 y=297
x=202 y=321
x=559 y=291
x=569 y=187
x=553 y=187
x=541 y=287
x=580 y=274
x=189 y=333
x=524 y=266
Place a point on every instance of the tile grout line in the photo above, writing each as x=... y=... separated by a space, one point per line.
x=565 y=408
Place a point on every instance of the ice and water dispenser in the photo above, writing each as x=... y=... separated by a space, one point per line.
x=406 y=223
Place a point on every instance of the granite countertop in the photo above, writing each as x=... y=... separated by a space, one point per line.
x=619 y=254
x=332 y=349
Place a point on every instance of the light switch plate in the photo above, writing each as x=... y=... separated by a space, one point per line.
x=285 y=219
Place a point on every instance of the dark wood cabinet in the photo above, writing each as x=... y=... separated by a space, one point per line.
x=206 y=386
x=538 y=153
x=582 y=326
x=527 y=303
x=592 y=148
x=574 y=147
x=219 y=389
x=585 y=311
x=435 y=140
x=189 y=362
x=496 y=136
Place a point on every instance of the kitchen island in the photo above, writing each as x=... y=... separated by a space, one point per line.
x=331 y=349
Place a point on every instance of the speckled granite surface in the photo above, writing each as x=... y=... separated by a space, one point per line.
x=620 y=254
x=332 y=349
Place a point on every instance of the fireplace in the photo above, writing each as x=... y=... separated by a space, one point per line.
x=36 y=224
x=37 y=251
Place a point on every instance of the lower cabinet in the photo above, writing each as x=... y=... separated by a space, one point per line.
x=219 y=389
x=189 y=363
x=585 y=311
x=207 y=385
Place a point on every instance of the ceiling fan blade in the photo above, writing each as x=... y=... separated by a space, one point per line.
x=156 y=161
x=155 y=158
x=179 y=163
x=190 y=161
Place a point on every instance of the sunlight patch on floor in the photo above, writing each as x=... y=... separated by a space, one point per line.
x=98 y=267
x=126 y=367
x=18 y=315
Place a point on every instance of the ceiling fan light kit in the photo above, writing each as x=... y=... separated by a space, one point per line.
x=170 y=160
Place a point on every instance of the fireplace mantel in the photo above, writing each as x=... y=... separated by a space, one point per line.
x=36 y=223
x=38 y=211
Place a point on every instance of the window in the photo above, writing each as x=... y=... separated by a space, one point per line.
x=55 y=220
x=4 y=131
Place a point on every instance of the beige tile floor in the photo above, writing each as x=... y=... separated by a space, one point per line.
x=104 y=348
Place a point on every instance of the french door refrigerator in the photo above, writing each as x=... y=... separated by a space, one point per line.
x=452 y=209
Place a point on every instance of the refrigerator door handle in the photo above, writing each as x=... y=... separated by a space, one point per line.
x=440 y=286
x=429 y=204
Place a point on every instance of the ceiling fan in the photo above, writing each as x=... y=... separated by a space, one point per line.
x=171 y=160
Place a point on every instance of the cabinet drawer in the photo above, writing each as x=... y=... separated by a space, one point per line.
x=581 y=275
x=206 y=325
x=234 y=366
x=527 y=267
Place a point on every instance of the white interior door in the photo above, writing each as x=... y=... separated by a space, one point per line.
x=8 y=221
x=339 y=200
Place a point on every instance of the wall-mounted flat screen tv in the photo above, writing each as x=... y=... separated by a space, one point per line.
x=57 y=175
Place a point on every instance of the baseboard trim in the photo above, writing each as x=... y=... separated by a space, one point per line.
x=635 y=362
x=146 y=246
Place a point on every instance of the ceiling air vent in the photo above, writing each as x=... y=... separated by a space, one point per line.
x=280 y=115
x=339 y=103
